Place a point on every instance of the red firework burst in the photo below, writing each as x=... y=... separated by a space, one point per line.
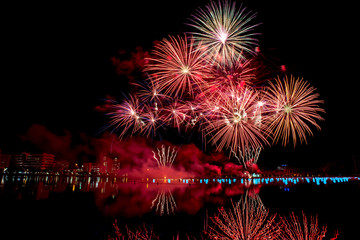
x=223 y=78
x=232 y=121
x=126 y=116
x=175 y=114
x=177 y=66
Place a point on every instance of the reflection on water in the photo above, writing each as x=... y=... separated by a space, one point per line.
x=175 y=203
x=134 y=197
x=246 y=219
x=164 y=202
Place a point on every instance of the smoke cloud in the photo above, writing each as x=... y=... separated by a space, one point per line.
x=135 y=155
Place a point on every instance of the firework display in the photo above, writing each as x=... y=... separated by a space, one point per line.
x=211 y=81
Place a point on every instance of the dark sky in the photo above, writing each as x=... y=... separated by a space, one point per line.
x=57 y=62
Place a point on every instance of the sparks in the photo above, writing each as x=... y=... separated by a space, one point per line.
x=226 y=32
x=246 y=220
x=176 y=66
x=230 y=126
x=296 y=229
x=164 y=203
x=223 y=35
x=165 y=157
x=294 y=106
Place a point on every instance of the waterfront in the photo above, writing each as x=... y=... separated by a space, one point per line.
x=78 y=207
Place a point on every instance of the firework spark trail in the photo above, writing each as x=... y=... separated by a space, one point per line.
x=141 y=234
x=251 y=198
x=137 y=234
x=227 y=33
x=164 y=203
x=302 y=230
x=245 y=221
x=177 y=66
x=294 y=105
x=248 y=156
x=165 y=157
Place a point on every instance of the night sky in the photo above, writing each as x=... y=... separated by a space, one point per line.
x=56 y=65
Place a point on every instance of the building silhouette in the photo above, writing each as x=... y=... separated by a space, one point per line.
x=4 y=160
x=27 y=161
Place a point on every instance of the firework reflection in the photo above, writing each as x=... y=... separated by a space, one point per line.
x=246 y=220
x=164 y=202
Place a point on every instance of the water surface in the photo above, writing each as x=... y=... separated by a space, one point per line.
x=74 y=207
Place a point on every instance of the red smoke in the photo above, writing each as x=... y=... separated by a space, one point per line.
x=62 y=146
x=135 y=154
x=127 y=67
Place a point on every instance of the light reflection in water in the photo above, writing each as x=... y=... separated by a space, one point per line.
x=131 y=197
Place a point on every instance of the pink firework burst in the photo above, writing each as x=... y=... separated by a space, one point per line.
x=294 y=106
x=150 y=92
x=151 y=120
x=127 y=116
x=231 y=121
x=223 y=78
x=175 y=114
x=177 y=66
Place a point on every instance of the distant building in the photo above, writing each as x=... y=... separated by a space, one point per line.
x=61 y=165
x=116 y=164
x=105 y=165
x=285 y=170
x=42 y=161
x=91 y=168
x=4 y=160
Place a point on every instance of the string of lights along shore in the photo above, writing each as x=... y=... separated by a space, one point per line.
x=213 y=81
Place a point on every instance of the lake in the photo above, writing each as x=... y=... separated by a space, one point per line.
x=83 y=207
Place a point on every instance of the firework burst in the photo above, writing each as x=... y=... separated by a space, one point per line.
x=175 y=114
x=211 y=82
x=294 y=105
x=151 y=120
x=223 y=79
x=177 y=66
x=225 y=32
x=126 y=116
x=150 y=92
x=231 y=123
